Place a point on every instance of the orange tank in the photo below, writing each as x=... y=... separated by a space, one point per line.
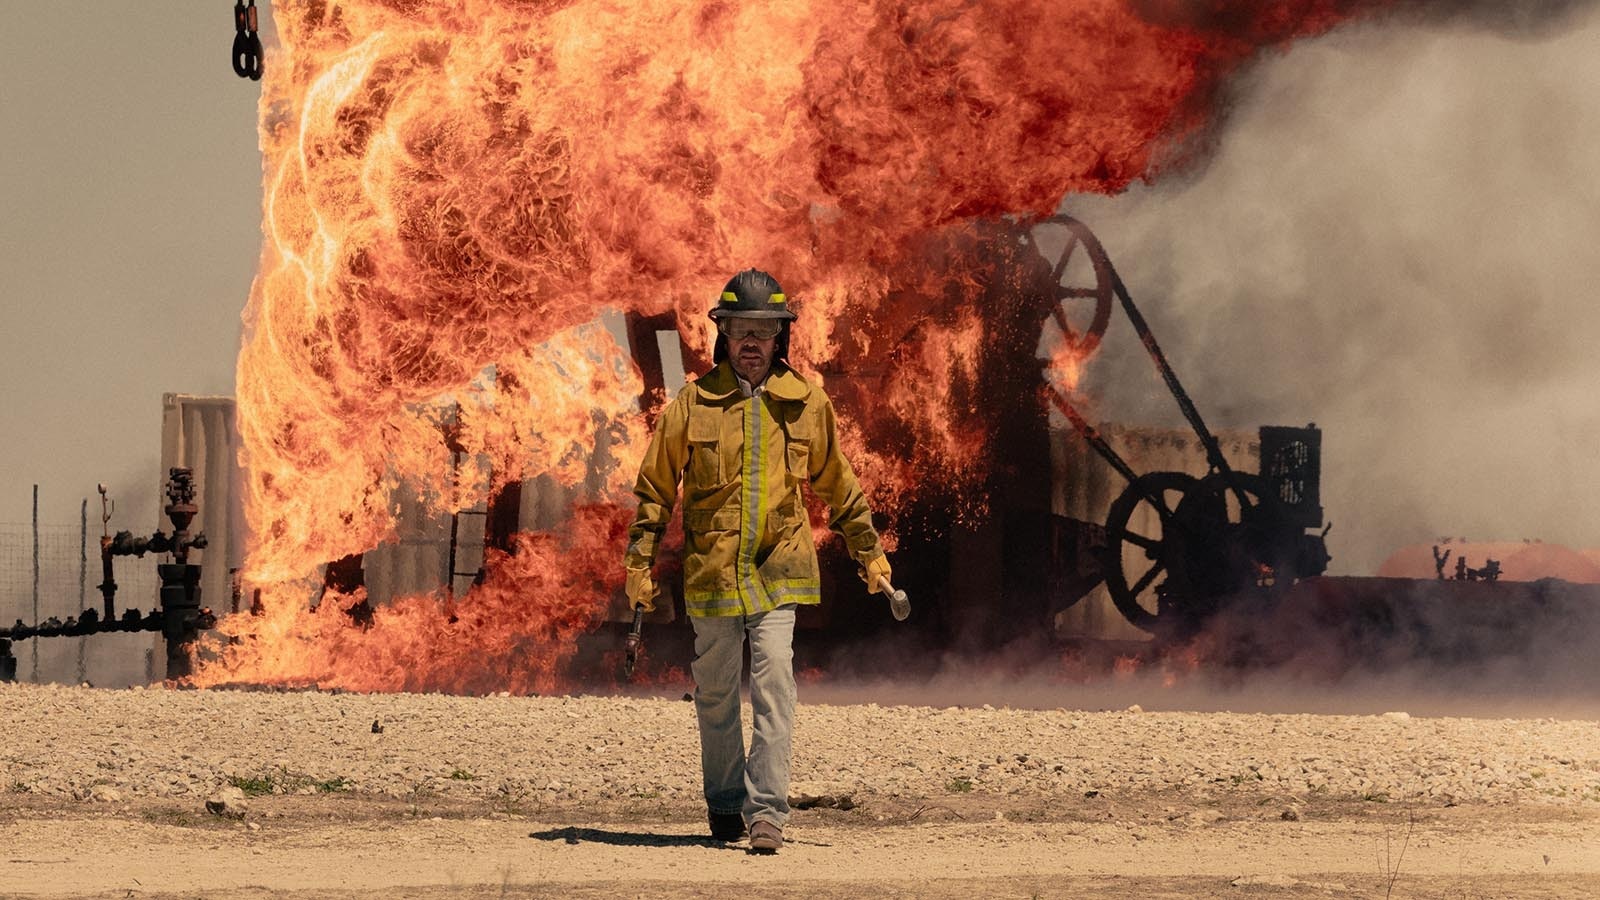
x=1519 y=560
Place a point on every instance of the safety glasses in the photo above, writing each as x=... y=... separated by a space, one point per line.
x=737 y=330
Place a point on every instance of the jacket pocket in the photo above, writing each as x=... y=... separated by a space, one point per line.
x=703 y=521
x=788 y=518
x=799 y=461
x=798 y=434
x=711 y=556
x=705 y=461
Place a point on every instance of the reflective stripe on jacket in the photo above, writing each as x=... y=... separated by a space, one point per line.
x=747 y=539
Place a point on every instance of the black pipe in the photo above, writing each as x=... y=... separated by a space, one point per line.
x=108 y=584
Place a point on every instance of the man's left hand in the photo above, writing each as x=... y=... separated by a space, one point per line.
x=876 y=568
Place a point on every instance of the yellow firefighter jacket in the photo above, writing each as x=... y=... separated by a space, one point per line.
x=741 y=460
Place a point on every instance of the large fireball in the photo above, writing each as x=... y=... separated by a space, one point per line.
x=454 y=191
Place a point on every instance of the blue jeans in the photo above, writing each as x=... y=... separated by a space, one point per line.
x=758 y=786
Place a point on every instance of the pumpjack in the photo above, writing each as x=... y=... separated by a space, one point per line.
x=1178 y=545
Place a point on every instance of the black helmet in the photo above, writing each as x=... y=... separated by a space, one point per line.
x=753 y=294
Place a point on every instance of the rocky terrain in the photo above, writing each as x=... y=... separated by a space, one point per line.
x=554 y=794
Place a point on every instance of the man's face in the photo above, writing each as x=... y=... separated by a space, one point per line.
x=751 y=344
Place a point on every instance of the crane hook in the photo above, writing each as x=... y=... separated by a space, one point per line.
x=246 y=43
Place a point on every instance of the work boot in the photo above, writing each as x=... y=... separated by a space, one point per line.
x=726 y=826
x=765 y=837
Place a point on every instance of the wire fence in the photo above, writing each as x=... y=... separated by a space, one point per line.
x=58 y=577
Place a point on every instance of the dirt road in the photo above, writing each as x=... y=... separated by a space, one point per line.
x=344 y=847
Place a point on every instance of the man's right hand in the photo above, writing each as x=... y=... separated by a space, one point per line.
x=641 y=590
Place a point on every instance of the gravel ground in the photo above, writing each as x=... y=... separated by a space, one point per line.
x=330 y=796
x=86 y=743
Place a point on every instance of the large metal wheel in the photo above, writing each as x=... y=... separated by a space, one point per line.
x=1144 y=554
x=1181 y=546
x=1081 y=279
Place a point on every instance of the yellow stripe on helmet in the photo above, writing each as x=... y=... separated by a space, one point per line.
x=731 y=297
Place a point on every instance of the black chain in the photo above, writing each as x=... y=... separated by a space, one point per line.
x=246 y=44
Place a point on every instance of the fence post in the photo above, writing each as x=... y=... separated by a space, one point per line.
x=83 y=579
x=35 y=641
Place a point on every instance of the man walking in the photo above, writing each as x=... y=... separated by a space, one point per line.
x=741 y=439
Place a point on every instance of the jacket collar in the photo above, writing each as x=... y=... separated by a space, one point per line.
x=784 y=383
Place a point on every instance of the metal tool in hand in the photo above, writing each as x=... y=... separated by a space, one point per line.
x=899 y=603
x=634 y=641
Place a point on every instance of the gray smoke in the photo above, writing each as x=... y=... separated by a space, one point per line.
x=1395 y=238
x=1527 y=18
x=1243 y=18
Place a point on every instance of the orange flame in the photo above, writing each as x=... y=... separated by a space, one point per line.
x=456 y=190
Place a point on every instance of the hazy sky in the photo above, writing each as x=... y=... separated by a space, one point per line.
x=1397 y=239
x=131 y=228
